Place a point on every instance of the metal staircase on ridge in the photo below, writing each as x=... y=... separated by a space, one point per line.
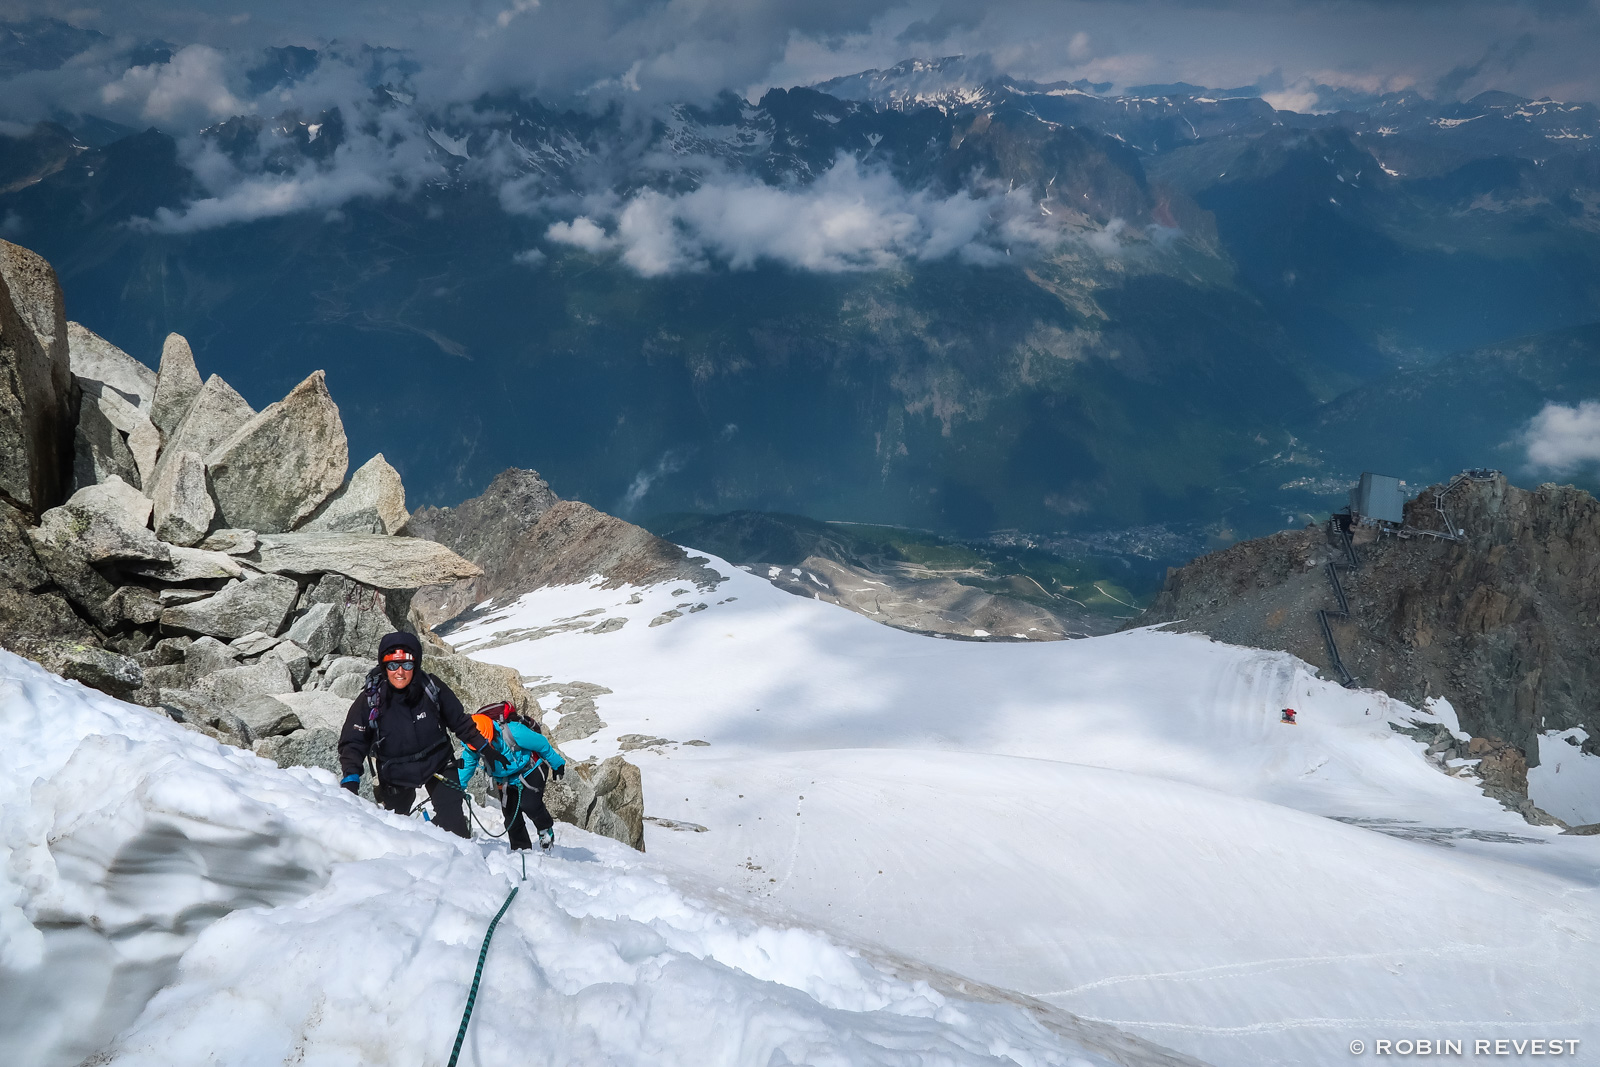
x=1339 y=532
x=1342 y=532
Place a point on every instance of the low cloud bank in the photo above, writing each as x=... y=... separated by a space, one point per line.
x=1562 y=439
x=192 y=83
x=386 y=151
x=851 y=218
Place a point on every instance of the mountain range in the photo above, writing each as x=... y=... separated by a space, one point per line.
x=984 y=304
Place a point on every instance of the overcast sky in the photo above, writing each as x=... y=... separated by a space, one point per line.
x=678 y=49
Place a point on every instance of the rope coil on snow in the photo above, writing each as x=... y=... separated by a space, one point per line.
x=477 y=976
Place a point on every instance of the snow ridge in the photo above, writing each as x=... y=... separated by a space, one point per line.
x=168 y=900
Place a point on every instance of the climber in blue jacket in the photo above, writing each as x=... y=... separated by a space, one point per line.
x=518 y=776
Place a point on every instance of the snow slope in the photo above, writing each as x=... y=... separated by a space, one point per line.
x=166 y=900
x=1121 y=826
x=1567 y=781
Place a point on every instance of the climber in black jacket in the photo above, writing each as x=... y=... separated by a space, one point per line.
x=400 y=719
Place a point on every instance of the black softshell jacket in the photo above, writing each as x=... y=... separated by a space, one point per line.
x=410 y=736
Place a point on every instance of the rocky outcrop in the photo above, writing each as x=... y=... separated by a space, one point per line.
x=526 y=538
x=235 y=687
x=317 y=709
x=278 y=467
x=1501 y=623
x=100 y=451
x=183 y=507
x=371 y=559
x=486 y=530
x=267 y=716
x=188 y=565
x=234 y=542
x=605 y=798
x=261 y=603
x=177 y=385
x=365 y=613
x=38 y=395
x=94 y=359
x=921 y=604
x=318 y=630
x=117 y=391
x=139 y=441
x=169 y=579
x=372 y=501
x=312 y=747
x=573 y=542
x=36 y=294
x=478 y=683
x=215 y=414
x=296 y=659
x=488 y=527
x=105 y=522
x=577 y=713
x=97 y=668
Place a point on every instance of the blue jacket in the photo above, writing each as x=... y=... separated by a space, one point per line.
x=520 y=748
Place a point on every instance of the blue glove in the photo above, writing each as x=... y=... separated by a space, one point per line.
x=351 y=782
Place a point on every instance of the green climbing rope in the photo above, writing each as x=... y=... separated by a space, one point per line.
x=477 y=976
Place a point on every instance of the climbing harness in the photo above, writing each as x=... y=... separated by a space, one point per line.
x=477 y=976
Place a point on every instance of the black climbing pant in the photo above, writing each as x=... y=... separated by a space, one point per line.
x=447 y=810
x=525 y=799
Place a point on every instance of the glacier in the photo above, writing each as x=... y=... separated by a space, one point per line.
x=882 y=848
x=1121 y=826
x=168 y=900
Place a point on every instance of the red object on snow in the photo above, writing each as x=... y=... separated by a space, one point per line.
x=1288 y=716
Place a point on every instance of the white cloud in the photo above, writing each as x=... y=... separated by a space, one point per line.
x=532 y=257
x=518 y=7
x=1302 y=100
x=671 y=462
x=192 y=83
x=390 y=156
x=1562 y=438
x=1106 y=241
x=850 y=218
x=578 y=52
x=582 y=232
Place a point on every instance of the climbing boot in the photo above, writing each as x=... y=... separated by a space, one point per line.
x=547 y=838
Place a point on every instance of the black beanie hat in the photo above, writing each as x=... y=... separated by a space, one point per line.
x=400 y=639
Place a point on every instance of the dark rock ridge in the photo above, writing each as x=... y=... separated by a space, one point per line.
x=912 y=599
x=526 y=538
x=1502 y=623
x=961 y=595
x=251 y=611
x=38 y=396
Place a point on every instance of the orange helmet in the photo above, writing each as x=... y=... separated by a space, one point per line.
x=485 y=726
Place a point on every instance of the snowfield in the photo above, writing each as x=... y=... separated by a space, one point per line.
x=884 y=849
x=166 y=900
x=1120 y=826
